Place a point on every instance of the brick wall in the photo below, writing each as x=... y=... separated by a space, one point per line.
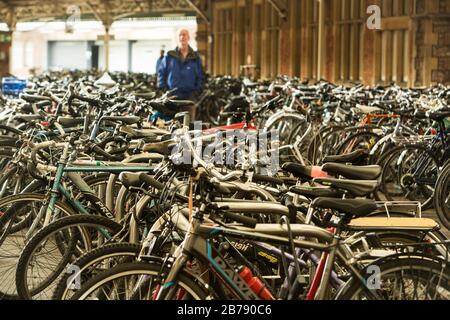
x=441 y=51
x=429 y=42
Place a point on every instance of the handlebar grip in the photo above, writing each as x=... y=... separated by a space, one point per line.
x=246 y=221
x=149 y=180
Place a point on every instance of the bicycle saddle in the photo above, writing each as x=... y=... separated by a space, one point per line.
x=353 y=157
x=317 y=192
x=170 y=108
x=70 y=122
x=130 y=179
x=163 y=148
x=352 y=208
x=353 y=187
x=353 y=172
x=303 y=172
x=440 y=115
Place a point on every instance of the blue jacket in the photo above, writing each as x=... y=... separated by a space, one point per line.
x=158 y=64
x=185 y=76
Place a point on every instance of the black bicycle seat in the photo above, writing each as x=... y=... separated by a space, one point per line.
x=130 y=179
x=317 y=192
x=440 y=115
x=353 y=157
x=352 y=208
x=297 y=170
x=353 y=172
x=353 y=187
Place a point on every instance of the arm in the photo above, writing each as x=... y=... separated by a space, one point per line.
x=162 y=72
x=200 y=77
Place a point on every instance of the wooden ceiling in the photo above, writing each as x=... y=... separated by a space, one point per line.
x=13 y=11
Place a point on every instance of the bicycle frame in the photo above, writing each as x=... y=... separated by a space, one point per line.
x=73 y=173
x=198 y=243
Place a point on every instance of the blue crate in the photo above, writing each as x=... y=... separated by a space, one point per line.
x=13 y=86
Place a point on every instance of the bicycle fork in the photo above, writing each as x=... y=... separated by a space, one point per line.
x=48 y=208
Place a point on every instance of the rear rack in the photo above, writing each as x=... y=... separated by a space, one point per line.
x=412 y=207
x=412 y=140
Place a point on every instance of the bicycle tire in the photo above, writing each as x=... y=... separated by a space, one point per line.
x=137 y=268
x=43 y=235
x=440 y=196
x=403 y=264
x=86 y=261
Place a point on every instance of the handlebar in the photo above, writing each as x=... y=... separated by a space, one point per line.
x=208 y=167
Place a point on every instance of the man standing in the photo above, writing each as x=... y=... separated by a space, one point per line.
x=159 y=61
x=181 y=69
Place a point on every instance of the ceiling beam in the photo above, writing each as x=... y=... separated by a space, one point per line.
x=281 y=11
x=11 y=18
x=199 y=11
x=94 y=11
x=27 y=10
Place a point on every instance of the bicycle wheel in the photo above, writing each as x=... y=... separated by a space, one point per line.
x=47 y=254
x=92 y=263
x=409 y=172
x=17 y=215
x=358 y=141
x=316 y=146
x=442 y=197
x=402 y=278
x=135 y=281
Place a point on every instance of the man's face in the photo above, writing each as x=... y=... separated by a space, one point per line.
x=183 y=38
